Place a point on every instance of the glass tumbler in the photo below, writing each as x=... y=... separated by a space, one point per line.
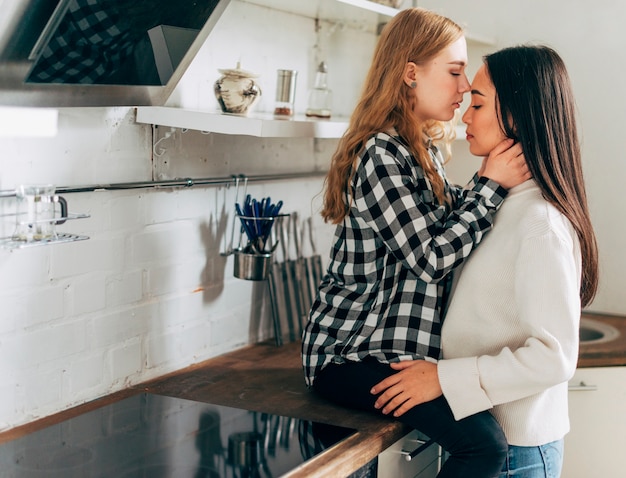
x=36 y=215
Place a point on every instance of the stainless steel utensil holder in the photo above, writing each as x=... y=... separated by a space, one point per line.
x=252 y=266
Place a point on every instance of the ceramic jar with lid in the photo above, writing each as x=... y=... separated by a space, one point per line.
x=236 y=90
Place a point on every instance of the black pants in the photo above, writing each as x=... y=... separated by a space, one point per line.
x=476 y=444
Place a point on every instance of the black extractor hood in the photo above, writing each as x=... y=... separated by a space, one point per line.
x=58 y=53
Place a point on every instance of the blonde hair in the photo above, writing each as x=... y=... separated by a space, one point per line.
x=413 y=35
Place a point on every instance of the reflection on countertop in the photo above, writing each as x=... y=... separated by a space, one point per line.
x=160 y=436
x=608 y=353
x=267 y=379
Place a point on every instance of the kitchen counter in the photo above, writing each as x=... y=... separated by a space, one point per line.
x=263 y=378
x=266 y=378
x=604 y=354
x=269 y=379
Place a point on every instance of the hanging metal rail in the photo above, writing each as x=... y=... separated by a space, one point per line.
x=176 y=183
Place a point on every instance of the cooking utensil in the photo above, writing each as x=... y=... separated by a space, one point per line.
x=296 y=268
x=277 y=296
x=291 y=305
x=273 y=288
x=277 y=291
x=252 y=266
x=257 y=219
x=231 y=249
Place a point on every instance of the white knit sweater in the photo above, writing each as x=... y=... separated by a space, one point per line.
x=510 y=336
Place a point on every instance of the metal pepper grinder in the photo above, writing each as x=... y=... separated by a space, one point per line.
x=285 y=92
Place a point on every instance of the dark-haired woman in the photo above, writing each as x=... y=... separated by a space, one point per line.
x=510 y=336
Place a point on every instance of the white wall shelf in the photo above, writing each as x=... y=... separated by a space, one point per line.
x=349 y=11
x=263 y=125
x=372 y=7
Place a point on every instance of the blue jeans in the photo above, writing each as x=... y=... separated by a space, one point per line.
x=544 y=461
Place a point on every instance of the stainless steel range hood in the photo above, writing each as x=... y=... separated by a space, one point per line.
x=57 y=53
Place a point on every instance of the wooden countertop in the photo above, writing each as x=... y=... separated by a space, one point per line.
x=266 y=378
x=604 y=354
x=263 y=378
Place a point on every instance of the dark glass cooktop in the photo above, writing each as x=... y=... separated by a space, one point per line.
x=155 y=436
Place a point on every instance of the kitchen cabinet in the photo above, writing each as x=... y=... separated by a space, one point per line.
x=393 y=462
x=597 y=410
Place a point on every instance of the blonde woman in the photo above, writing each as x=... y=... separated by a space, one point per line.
x=401 y=230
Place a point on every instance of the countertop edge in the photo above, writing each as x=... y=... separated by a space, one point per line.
x=605 y=354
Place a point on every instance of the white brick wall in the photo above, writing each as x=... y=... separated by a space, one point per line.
x=149 y=292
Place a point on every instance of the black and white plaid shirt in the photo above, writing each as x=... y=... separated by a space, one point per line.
x=390 y=264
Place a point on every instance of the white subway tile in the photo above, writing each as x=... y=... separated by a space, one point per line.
x=123 y=288
x=125 y=361
x=161 y=349
x=87 y=293
x=44 y=304
x=42 y=390
x=8 y=403
x=127 y=211
x=30 y=348
x=111 y=329
x=23 y=268
x=80 y=257
x=85 y=374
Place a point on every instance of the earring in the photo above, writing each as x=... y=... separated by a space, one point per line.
x=413 y=84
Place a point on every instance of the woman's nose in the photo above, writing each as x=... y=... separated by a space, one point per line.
x=466 y=118
x=465 y=84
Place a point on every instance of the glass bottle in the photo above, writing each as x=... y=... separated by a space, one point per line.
x=320 y=97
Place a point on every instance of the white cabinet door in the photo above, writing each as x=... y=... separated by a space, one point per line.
x=596 y=444
x=393 y=464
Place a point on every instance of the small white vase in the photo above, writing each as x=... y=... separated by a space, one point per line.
x=236 y=91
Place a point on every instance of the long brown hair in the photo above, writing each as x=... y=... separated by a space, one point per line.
x=413 y=35
x=535 y=96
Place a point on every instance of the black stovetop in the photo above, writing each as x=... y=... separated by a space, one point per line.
x=156 y=436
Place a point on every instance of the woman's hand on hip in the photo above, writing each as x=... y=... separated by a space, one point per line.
x=506 y=165
x=415 y=382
